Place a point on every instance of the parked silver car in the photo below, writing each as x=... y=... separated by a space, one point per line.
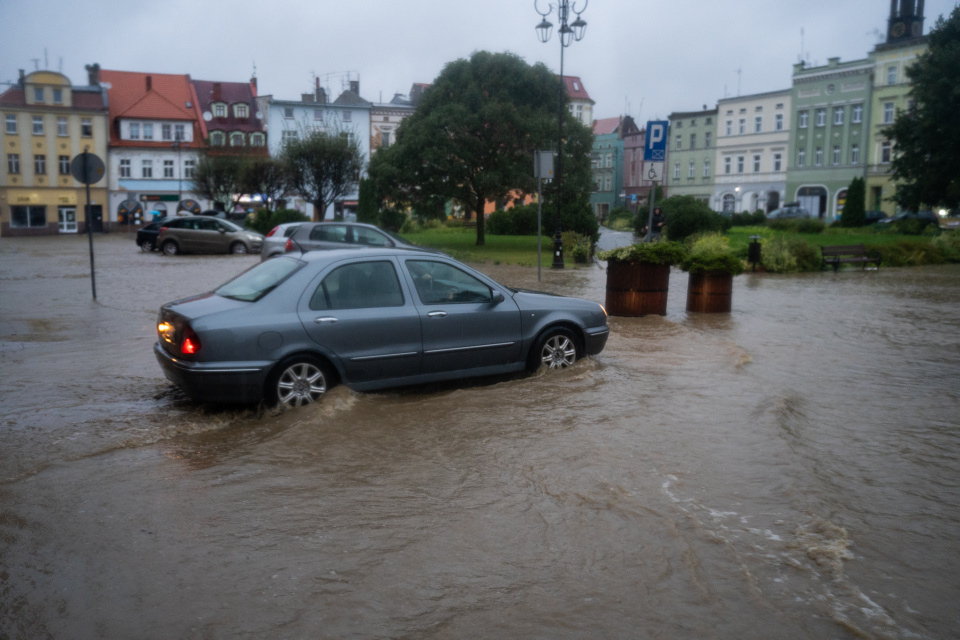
x=275 y=242
x=313 y=236
x=203 y=234
x=791 y=210
x=290 y=327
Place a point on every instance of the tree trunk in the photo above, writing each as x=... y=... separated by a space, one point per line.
x=319 y=210
x=481 y=235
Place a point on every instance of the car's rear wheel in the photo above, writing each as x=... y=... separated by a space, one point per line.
x=299 y=381
x=171 y=248
x=556 y=349
x=146 y=246
x=238 y=247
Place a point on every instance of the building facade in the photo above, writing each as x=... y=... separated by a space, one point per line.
x=830 y=133
x=636 y=186
x=606 y=162
x=753 y=136
x=691 y=154
x=580 y=103
x=385 y=119
x=47 y=123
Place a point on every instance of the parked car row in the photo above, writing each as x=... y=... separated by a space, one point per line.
x=197 y=234
x=313 y=236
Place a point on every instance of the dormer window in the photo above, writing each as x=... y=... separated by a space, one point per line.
x=58 y=96
x=256 y=139
x=216 y=138
x=38 y=94
x=241 y=111
x=134 y=130
x=219 y=110
x=576 y=86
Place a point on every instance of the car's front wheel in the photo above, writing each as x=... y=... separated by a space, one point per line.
x=238 y=247
x=556 y=349
x=302 y=380
x=171 y=248
x=146 y=246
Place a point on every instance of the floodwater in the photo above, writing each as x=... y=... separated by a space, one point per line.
x=790 y=469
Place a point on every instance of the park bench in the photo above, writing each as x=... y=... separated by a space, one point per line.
x=851 y=253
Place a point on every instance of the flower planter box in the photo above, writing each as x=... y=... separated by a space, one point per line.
x=637 y=289
x=710 y=292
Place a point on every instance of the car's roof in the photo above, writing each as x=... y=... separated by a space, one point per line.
x=362 y=252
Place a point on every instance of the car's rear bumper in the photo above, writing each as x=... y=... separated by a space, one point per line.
x=214 y=382
x=594 y=340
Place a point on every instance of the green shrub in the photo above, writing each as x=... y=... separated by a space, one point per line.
x=807 y=256
x=746 y=219
x=392 y=219
x=948 y=244
x=577 y=246
x=665 y=252
x=518 y=221
x=264 y=220
x=909 y=253
x=912 y=227
x=687 y=216
x=776 y=257
x=810 y=225
x=712 y=253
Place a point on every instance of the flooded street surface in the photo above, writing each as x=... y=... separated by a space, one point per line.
x=790 y=469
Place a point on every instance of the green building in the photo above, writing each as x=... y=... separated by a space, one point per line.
x=691 y=152
x=607 y=165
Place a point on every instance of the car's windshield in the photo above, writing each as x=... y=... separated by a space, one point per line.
x=259 y=280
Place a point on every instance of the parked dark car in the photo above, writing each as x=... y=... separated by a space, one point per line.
x=147 y=235
x=926 y=216
x=791 y=210
x=201 y=234
x=289 y=328
x=874 y=216
x=313 y=236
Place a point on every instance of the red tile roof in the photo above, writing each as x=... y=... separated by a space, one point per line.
x=605 y=126
x=231 y=93
x=575 y=90
x=149 y=96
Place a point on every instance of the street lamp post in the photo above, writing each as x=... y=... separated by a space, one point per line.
x=177 y=145
x=568 y=34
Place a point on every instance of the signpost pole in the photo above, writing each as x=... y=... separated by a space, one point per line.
x=89 y=215
x=653 y=196
x=88 y=168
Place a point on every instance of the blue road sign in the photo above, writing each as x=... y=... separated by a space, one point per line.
x=655 y=149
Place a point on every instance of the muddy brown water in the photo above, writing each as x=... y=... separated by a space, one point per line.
x=786 y=470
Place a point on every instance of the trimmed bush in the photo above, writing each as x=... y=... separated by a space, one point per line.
x=264 y=220
x=518 y=221
x=909 y=253
x=392 y=220
x=712 y=253
x=577 y=246
x=746 y=219
x=670 y=253
x=948 y=243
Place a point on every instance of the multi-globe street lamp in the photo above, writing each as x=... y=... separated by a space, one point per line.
x=569 y=33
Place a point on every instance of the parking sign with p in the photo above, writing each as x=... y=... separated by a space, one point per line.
x=655 y=149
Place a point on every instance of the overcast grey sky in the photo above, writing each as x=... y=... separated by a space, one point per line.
x=641 y=57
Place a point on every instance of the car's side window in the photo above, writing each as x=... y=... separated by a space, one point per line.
x=361 y=285
x=369 y=237
x=441 y=283
x=329 y=233
x=209 y=225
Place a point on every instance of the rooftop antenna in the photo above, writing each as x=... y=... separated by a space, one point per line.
x=739 y=71
x=46 y=60
x=254 y=68
x=36 y=64
x=640 y=109
x=61 y=65
x=803 y=57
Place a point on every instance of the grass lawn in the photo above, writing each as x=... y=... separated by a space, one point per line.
x=740 y=236
x=461 y=243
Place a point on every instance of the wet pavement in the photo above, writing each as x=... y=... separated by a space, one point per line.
x=789 y=469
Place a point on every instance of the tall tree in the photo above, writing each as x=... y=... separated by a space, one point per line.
x=220 y=178
x=473 y=135
x=268 y=177
x=324 y=166
x=927 y=136
x=853 y=209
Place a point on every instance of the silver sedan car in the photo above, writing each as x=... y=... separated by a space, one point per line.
x=288 y=329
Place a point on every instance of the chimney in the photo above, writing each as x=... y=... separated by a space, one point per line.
x=253 y=81
x=93 y=74
x=149 y=83
x=22 y=78
x=355 y=86
x=217 y=92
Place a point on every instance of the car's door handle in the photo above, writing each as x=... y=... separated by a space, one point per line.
x=437 y=314
x=326 y=320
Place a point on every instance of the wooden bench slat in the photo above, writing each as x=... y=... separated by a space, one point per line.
x=850 y=253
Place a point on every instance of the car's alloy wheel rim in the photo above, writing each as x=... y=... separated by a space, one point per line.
x=171 y=249
x=559 y=352
x=300 y=384
x=238 y=248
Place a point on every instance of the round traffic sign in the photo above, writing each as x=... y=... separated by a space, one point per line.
x=89 y=172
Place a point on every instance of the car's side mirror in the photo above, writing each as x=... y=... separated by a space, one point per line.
x=497 y=298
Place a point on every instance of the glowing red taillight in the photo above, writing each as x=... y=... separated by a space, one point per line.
x=162 y=229
x=272 y=231
x=191 y=342
x=289 y=245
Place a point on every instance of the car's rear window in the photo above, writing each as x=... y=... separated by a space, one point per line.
x=259 y=280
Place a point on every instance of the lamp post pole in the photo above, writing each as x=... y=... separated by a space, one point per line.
x=568 y=33
x=179 y=174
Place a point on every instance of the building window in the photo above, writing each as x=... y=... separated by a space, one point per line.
x=885 y=152
x=147 y=131
x=146 y=169
x=679 y=124
x=64 y=162
x=818 y=157
x=236 y=139
x=706 y=139
x=742 y=126
x=802 y=119
x=606 y=183
x=857 y=113
x=855 y=154
x=216 y=138
x=739 y=164
x=166 y=132
x=777 y=162
x=706 y=168
x=13 y=163
x=38 y=94
x=40 y=164
x=693 y=141
x=347 y=116
x=580 y=112
x=693 y=123
x=134 y=131
x=821 y=117
x=778 y=122
x=676 y=170
x=692 y=169
x=838 y=116
x=758 y=124
x=288 y=113
x=241 y=111
x=168 y=168
x=679 y=143
x=11 y=119
x=801 y=158
x=125 y=168
x=219 y=110
x=318 y=115
x=256 y=139
x=609 y=160
x=28 y=217
x=836 y=154
x=756 y=163
x=58 y=96
x=892 y=74
x=385 y=139
x=729 y=127
x=86 y=127
x=708 y=121
x=62 y=127
x=726 y=165
x=887 y=113
x=189 y=166
x=38 y=125
x=288 y=136
x=729 y=203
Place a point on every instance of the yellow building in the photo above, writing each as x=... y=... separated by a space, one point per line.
x=47 y=122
